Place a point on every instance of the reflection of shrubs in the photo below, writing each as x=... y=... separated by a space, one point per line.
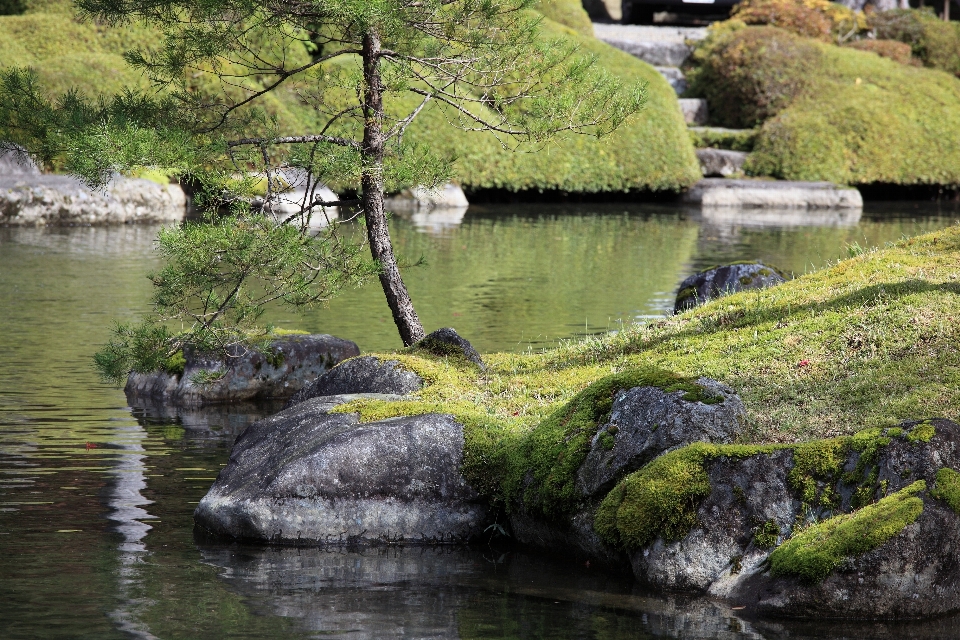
x=827 y=21
x=750 y=74
x=897 y=51
x=935 y=42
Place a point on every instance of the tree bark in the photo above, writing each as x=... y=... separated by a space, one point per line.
x=371 y=185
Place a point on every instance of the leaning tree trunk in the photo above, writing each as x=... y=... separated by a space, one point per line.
x=371 y=184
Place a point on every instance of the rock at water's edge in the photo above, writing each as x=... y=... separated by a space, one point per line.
x=772 y=194
x=648 y=422
x=448 y=196
x=15 y=161
x=366 y=374
x=38 y=200
x=719 y=281
x=306 y=476
x=292 y=363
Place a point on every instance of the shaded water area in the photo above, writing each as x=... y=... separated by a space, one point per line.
x=96 y=536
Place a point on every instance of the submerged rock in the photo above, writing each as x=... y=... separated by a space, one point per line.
x=308 y=476
x=290 y=364
x=718 y=281
x=367 y=374
x=447 y=342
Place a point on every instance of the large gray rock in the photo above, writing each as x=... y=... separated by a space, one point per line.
x=658 y=46
x=720 y=162
x=646 y=422
x=307 y=476
x=366 y=374
x=291 y=363
x=913 y=574
x=38 y=200
x=719 y=281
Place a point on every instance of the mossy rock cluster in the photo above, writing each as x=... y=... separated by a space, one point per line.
x=826 y=112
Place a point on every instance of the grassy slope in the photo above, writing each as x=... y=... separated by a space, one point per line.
x=865 y=343
x=866 y=119
x=652 y=151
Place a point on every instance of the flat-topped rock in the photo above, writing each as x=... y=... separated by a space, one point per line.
x=448 y=196
x=38 y=200
x=721 y=192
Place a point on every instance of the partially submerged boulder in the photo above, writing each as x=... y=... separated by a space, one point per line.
x=290 y=363
x=865 y=526
x=308 y=476
x=718 y=281
x=366 y=374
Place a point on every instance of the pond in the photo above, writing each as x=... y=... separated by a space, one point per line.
x=96 y=503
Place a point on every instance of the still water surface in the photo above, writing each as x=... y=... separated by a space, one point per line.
x=96 y=534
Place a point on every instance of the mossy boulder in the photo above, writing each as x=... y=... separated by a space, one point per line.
x=447 y=342
x=858 y=526
x=613 y=427
x=719 y=281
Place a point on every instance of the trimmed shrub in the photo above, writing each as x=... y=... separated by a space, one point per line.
x=749 y=74
x=732 y=139
x=935 y=42
x=865 y=119
x=820 y=19
x=893 y=49
x=569 y=13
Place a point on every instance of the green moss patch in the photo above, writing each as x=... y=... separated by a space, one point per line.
x=947 y=488
x=661 y=499
x=922 y=432
x=814 y=552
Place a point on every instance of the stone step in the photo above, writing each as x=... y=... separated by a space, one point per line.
x=675 y=77
x=659 y=46
x=773 y=194
x=694 y=110
x=720 y=163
